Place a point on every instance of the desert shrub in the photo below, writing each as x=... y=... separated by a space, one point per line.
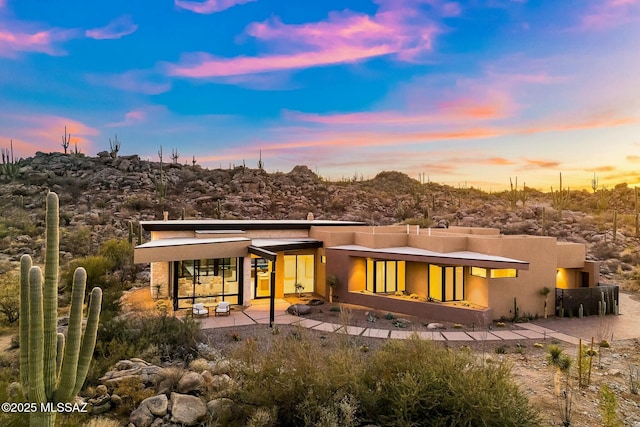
x=298 y=376
x=137 y=203
x=10 y=296
x=410 y=382
x=421 y=384
x=169 y=337
x=76 y=241
x=9 y=375
x=102 y=422
x=120 y=253
x=132 y=391
x=608 y=407
x=98 y=268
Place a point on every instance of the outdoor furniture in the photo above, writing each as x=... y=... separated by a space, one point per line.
x=199 y=309
x=223 y=308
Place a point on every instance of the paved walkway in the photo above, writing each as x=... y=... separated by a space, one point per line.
x=625 y=326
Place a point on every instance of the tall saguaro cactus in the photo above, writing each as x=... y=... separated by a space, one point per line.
x=52 y=368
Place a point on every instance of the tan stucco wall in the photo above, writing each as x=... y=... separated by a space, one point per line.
x=380 y=240
x=438 y=243
x=416 y=278
x=476 y=290
x=571 y=255
x=540 y=252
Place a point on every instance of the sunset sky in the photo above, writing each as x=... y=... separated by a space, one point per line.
x=468 y=92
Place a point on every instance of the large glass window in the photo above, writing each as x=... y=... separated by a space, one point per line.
x=207 y=281
x=261 y=277
x=299 y=269
x=446 y=283
x=385 y=276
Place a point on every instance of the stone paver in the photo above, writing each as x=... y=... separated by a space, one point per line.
x=327 y=327
x=401 y=335
x=352 y=330
x=536 y=328
x=564 y=337
x=535 y=335
x=507 y=335
x=233 y=319
x=376 y=333
x=456 y=336
x=427 y=335
x=483 y=336
x=309 y=323
x=286 y=320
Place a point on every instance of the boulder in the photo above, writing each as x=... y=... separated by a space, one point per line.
x=187 y=410
x=299 y=309
x=219 y=408
x=220 y=382
x=435 y=326
x=191 y=383
x=141 y=416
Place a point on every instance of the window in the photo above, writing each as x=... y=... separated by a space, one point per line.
x=207 y=281
x=499 y=273
x=446 y=283
x=479 y=272
x=494 y=273
x=299 y=269
x=385 y=276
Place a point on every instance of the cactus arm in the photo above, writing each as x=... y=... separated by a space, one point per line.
x=50 y=298
x=89 y=339
x=60 y=351
x=67 y=379
x=36 y=345
x=25 y=266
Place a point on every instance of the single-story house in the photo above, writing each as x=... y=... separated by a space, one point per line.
x=460 y=274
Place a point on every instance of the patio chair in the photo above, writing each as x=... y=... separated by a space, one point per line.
x=200 y=310
x=223 y=308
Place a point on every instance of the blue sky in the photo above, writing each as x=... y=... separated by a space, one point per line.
x=468 y=92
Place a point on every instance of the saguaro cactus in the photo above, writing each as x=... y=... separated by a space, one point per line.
x=50 y=371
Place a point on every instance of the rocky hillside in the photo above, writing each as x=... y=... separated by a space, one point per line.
x=101 y=196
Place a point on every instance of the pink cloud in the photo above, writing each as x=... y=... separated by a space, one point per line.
x=454 y=110
x=137 y=81
x=43 y=132
x=345 y=37
x=610 y=13
x=18 y=38
x=118 y=28
x=209 y=6
x=130 y=118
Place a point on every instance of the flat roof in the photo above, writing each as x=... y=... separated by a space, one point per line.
x=257 y=224
x=408 y=253
x=180 y=249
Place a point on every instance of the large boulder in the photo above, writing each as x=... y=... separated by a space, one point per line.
x=299 y=309
x=191 y=383
x=187 y=410
x=150 y=408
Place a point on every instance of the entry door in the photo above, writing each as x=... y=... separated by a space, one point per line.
x=262 y=277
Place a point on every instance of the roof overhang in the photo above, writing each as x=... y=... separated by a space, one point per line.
x=181 y=249
x=283 y=245
x=467 y=258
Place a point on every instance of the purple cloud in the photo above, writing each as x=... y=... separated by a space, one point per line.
x=209 y=6
x=116 y=29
